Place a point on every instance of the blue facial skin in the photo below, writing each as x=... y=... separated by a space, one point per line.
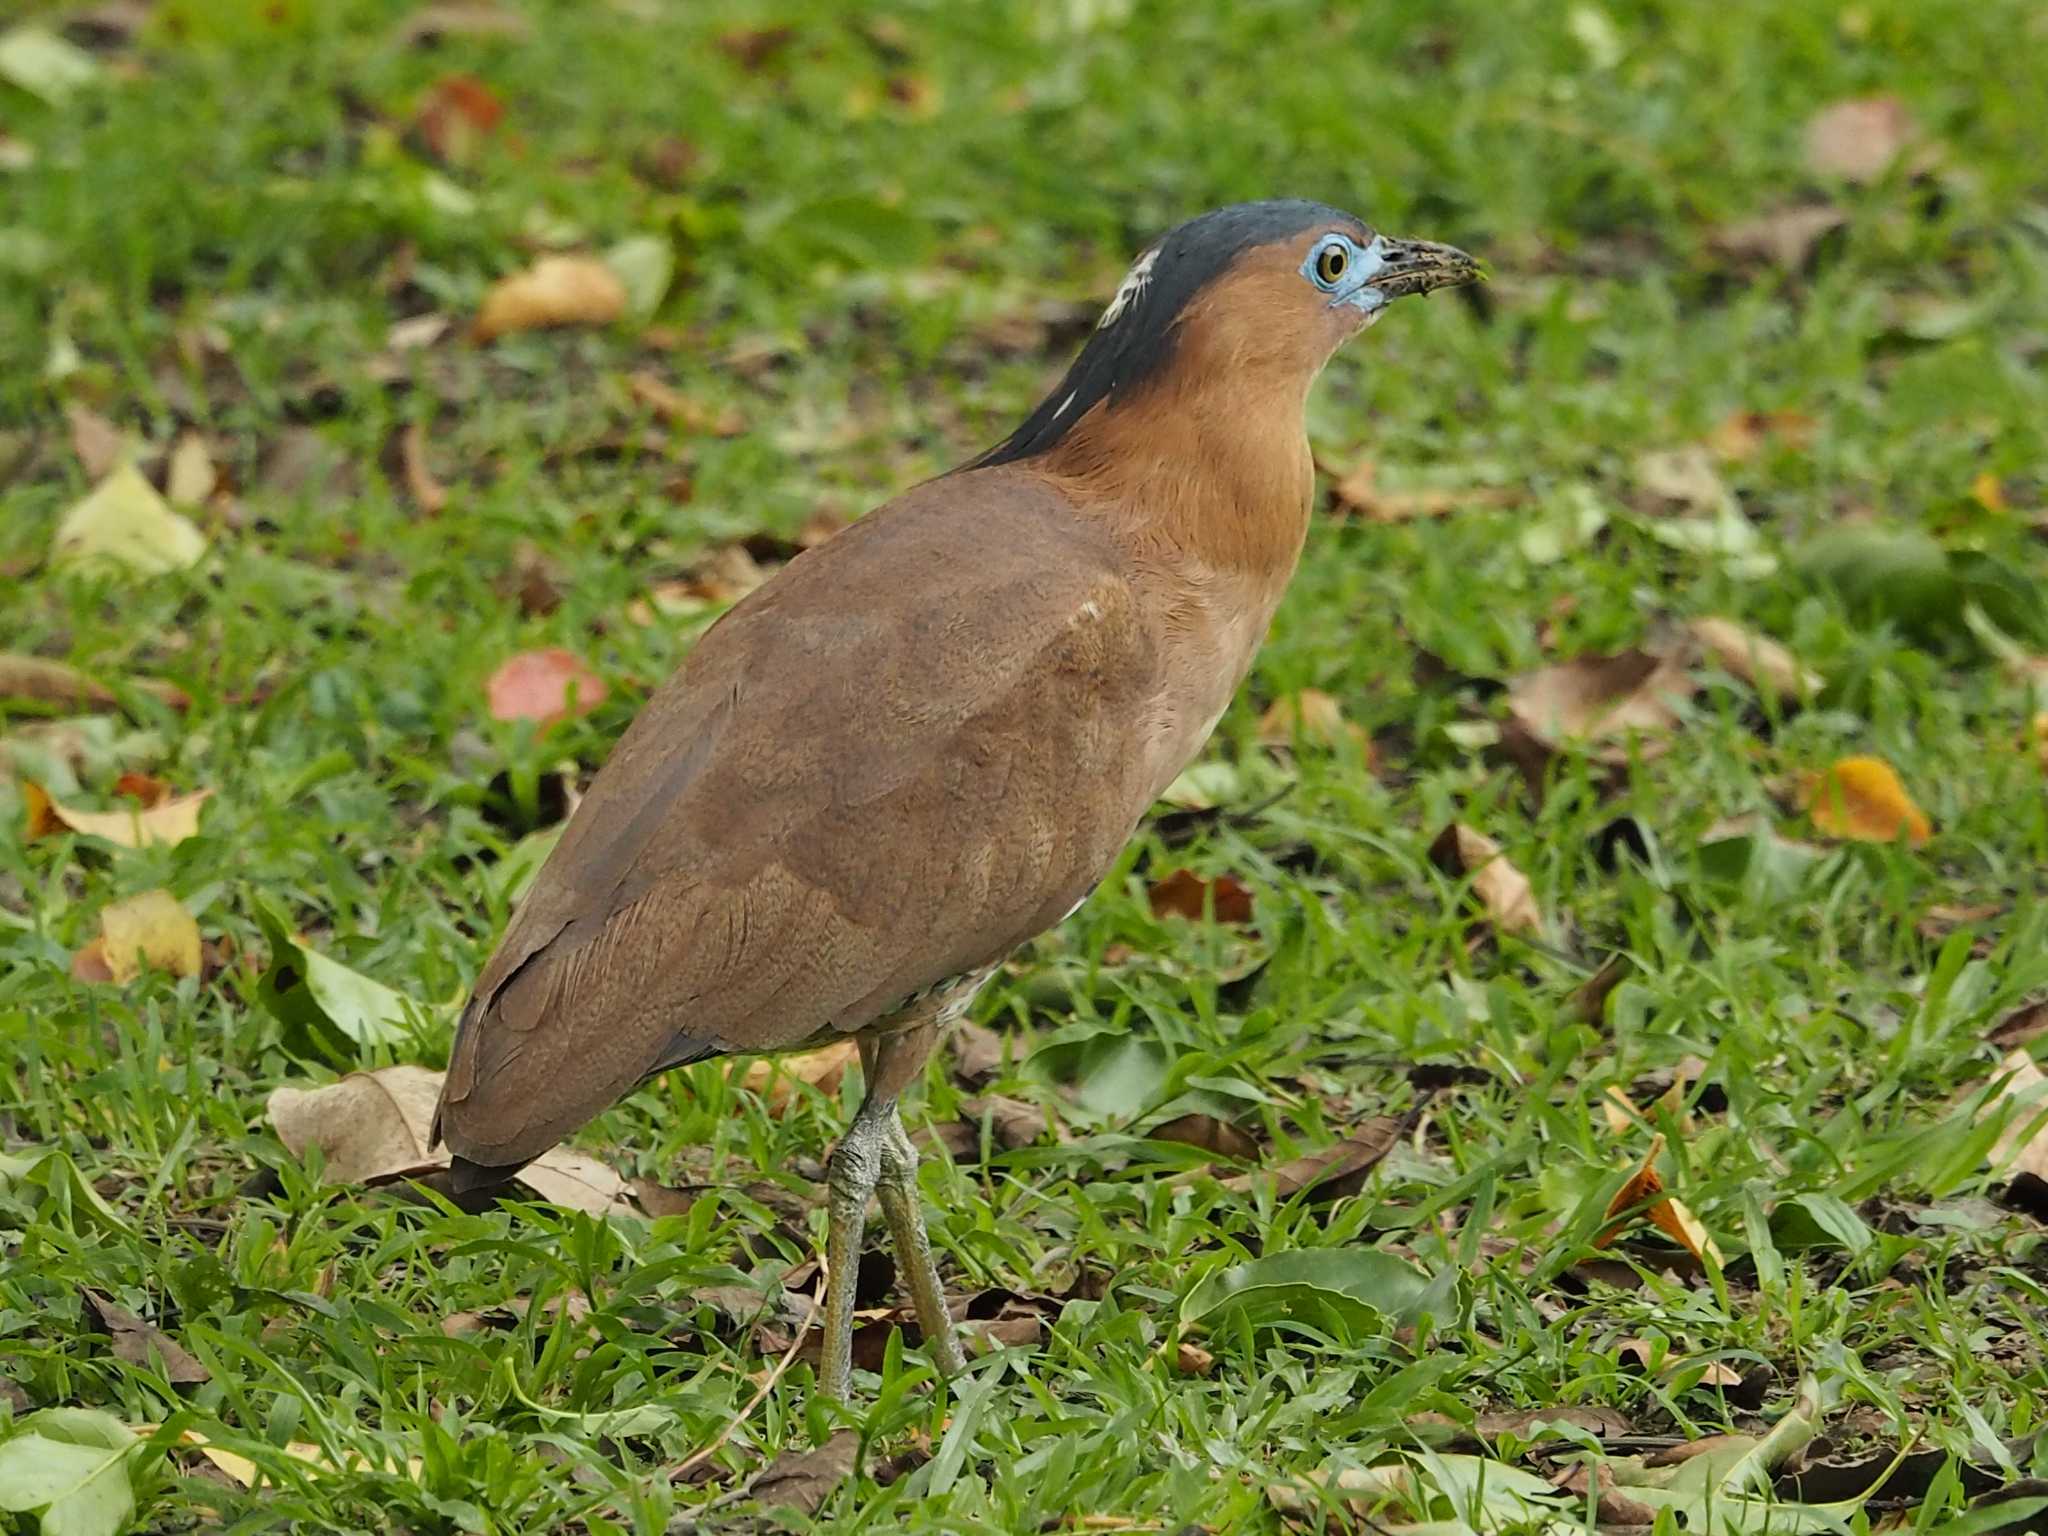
x=1354 y=285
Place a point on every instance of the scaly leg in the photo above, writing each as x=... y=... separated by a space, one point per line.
x=905 y=1213
x=856 y=1165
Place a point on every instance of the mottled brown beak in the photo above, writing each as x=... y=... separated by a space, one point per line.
x=1421 y=266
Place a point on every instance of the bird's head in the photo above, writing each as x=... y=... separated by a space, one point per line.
x=1255 y=296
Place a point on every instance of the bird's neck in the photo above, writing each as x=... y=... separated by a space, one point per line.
x=1206 y=471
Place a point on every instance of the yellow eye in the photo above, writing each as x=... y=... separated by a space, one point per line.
x=1330 y=264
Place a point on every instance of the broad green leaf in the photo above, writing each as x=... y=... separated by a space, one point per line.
x=332 y=1005
x=1819 y=1221
x=44 y=64
x=67 y=1192
x=72 y=1465
x=1278 y=1284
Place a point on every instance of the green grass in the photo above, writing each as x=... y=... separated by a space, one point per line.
x=219 y=237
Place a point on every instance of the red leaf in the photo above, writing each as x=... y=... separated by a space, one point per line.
x=545 y=686
x=1183 y=893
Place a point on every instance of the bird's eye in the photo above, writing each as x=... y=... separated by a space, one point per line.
x=1330 y=264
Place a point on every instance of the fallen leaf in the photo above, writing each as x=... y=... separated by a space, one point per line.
x=459 y=114
x=124 y=522
x=1685 y=476
x=1668 y=1214
x=191 y=477
x=1012 y=1123
x=143 y=1344
x=1335 y=1171
x=416 y=333
x=152 y=930
x=776 y=1078
x=679 y=410
x=668 y=161
x=373 y=1127
x=1187 y=894
x=534 y=580
x=544 y=686
x=427 y=493
x=1601 y=699
x=1988 y=491
x=431 y=23
x=1743 y=434
x=1589 y=998
x=159 y=826
x=804 y=1480
x=1359 y=494
x=53 y=682
x=755 y=48
x=1612 y=1507
x=1192 y=1359
x=977 y=1053
x=554 y=291
x=1310 y=715
x=101 y=446
x=1758 y=660
x=1503 y=891
x=1785 y=237
x=1209 y=1134
x=2025 y=1093
x=1862 y=800
x=1857 y=140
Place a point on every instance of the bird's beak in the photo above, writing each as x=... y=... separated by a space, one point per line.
x=1420 y=266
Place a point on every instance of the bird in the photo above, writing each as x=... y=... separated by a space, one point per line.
x=924 y=741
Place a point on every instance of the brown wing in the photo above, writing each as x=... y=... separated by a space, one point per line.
x=911 y=750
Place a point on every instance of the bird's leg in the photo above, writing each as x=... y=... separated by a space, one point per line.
x=856 y=1165
x=905 y=1213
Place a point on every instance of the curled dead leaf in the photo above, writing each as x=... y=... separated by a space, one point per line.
x=1757 y=659
x=1597 y=700
x=543 y=686
x=143 y=1344
x=554 y=291
x=147 y=931
x=1359 y=494
x=1503 y=891
x=776 y=1078
x=1310 y=715
x=1666 y=1212
x=679 y=410
x=1858 y=140
x=427 y=493
x=1862 y=800
x=162 y=825
x=54 y=682
x=1785 y=237
x=1744 y=434
x=1209 y=1134
x=1334 y=1172
x=1187 y=894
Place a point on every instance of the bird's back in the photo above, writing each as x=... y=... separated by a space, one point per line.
x=911 y=750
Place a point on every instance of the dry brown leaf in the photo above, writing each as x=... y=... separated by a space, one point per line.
x=157 y=826
x=803 y=1480
x=2025 y=1092
x=143 y=1344
x=462 y=18
x=2025 y=1023
x=1192 y=1359
x=1685 y=476
x=1857 y=140
x=554 y=291
x=775 y=1078
x=191 y=477
x=1187 y=894
x=427 y=493
x=1668 y=1213
x=459 y=114
x=1785 y=237
x=151 y=930
x=1310 y=715
x=1589 y=998
x=534 y=580
x=1011 y=1122
x=53 y=682
x=977 y=1053
x=1601 y=699
x=1613 y=1508
x=1503 y=891
x=1743 y=434
x=755 y=48
x=1333 y=1173
x=1209 y=1134
x=679 y=410
x=1862 y=800
x=100 y=445
x=543 y=686
x=1757 y=659
x=1358 y=494
x=373 y=1127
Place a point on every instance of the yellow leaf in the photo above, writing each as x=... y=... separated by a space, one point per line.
x=1861 y=799
x=161 y=825
x=554 y=291
x=1311 y=715
x=775 y=1077
x=125 y=522
x=1668 y=1214
x=1989 y=492
x=1503 y=890
x=151 y=929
